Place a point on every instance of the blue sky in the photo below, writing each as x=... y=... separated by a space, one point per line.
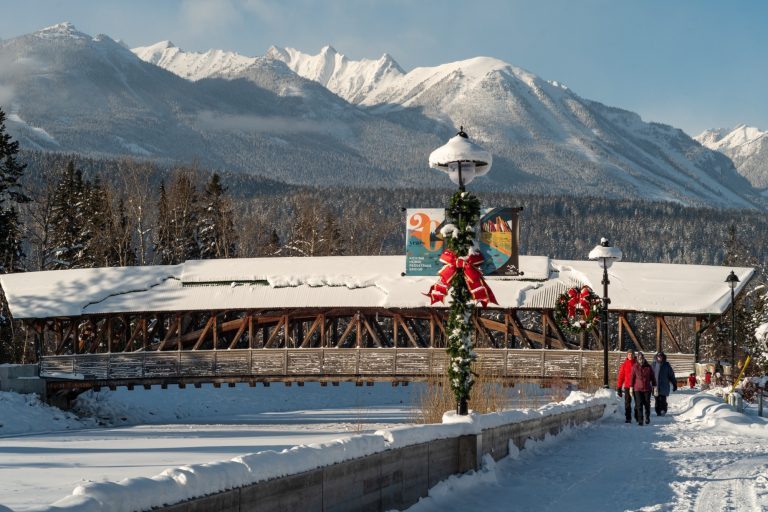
x=694 y=64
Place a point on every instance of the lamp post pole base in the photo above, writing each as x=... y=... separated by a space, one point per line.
x=462 y=408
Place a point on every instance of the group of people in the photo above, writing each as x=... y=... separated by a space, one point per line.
x=638 y=379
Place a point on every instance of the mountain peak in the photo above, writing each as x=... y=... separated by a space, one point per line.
x=61 y=30
x=328 y=49
x=192 y=65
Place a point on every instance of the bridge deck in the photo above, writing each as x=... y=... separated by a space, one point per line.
x=332 y=364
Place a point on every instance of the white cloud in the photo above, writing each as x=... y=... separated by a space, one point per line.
x=260 y=124
x=264 y=9
x=6 y=95
x=205 y=16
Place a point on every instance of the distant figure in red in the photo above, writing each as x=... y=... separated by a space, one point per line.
x=624 y=383
x=708 y=379
x=642 y=383
x=692 y=380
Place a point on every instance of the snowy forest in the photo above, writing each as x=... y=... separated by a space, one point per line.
x=64 y=211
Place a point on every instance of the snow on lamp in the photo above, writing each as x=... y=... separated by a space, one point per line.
x=461 y=159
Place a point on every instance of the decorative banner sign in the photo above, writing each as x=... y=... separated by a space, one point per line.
x=423 y=243
x=499 y=241
x=499 y=235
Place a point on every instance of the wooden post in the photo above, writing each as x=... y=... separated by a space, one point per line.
x=431 y=330
x=545 y=330
x=621 y=331
x=178 y=332
x=359 y=334
x=394 y=328
x=250 y=330
x=322 y=330
x=77 y=335
x=57 y=330
x=697 y=340
x=215 y=330
x=144 y=333
x=125 y=331
x=108 y=321
x=658 y=334
x=299 y=332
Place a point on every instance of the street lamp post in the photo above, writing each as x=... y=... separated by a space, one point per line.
x=605 y=255
x=733 y=281
x=462 y=160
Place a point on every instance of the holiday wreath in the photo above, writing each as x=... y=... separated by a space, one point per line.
x=578 y=309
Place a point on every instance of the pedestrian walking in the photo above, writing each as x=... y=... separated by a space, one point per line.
x=719 y=374
x=707 y=379
x=624 y=384
x=665 y=382
x=642 y=383
x=692 y=380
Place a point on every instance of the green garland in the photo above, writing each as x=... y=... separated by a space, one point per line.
x=578 y=323
x=463 y=213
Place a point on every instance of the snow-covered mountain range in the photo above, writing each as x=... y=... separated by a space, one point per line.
x=747 y=146
x=327 y=119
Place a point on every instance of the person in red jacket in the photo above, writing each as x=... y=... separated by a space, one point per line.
x=642 y=383
x=692 y=380
x=623 y=385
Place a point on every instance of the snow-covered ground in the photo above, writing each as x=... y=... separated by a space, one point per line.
x=702 y=456
x=45 y=453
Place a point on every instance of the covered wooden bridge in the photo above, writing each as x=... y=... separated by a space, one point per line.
x=331 y=319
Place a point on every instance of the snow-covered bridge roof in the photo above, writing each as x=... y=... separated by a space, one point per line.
x=351 y=281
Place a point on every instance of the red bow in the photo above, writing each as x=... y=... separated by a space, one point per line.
x=472 y=275
x=580 y=300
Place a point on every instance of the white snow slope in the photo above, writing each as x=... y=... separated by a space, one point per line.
x=517 y=115
x=191 y=65
x=746 y=145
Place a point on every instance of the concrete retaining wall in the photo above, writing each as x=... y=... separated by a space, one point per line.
x=393 y=479
x=21 y=378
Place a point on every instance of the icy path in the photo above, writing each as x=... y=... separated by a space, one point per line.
x=701 y=457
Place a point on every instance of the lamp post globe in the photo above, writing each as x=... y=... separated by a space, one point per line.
x=605 y=255
x=733 y=282
x=462 y=160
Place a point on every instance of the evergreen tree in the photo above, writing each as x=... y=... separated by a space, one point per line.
x=11 y=195
x=177 y=232
x=98 y=229
x=123 y=239
x=332 y=241
x=218 y=238
x=164 y=241
x=68 y=230
x=11 y=253
x=273 y=247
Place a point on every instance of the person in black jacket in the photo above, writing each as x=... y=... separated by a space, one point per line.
x=665 y=379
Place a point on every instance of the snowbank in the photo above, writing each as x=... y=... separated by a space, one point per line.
x=183 y=483
x=22 y=414
x=715 y=415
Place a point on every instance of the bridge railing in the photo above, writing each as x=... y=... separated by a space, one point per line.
x=328 y=363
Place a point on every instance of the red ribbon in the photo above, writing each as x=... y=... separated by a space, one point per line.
x=472 y=276
x=580 y=300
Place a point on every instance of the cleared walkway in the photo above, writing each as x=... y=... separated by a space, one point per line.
x=702 y=458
